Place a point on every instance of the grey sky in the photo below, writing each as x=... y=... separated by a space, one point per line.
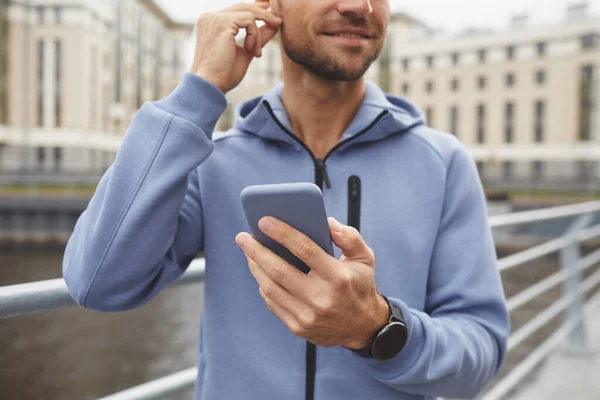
x=450 y=15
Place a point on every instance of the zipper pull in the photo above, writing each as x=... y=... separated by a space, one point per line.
x=323 y=170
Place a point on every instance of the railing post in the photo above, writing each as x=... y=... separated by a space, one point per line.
x=570 y=257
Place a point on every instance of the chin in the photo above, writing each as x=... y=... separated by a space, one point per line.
x=354 y=69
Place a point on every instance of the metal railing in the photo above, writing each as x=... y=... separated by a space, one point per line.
x=33 y=177
x=29 y=298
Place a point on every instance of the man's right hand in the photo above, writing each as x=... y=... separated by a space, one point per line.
x=219 y=59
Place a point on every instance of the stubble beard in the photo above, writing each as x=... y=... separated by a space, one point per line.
x=321 y=63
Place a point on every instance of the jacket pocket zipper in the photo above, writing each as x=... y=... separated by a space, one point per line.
x=354 y=195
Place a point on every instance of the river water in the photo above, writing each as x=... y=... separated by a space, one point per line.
x=80 y=354
x=73 y=354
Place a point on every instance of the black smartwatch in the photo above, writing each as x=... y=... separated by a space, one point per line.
x=390 y=339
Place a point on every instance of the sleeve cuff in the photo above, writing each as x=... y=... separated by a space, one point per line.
x=197 y=101
x=390 y=369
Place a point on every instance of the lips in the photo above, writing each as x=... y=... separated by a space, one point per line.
x=345 y=34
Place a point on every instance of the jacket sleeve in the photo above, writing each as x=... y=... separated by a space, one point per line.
x=458 y=344
x=142 y=227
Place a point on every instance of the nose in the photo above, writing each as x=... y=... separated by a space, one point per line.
x=356 y=8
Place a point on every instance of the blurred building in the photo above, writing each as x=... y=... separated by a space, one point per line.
x=523 y=100
x=74 y=72
x=3 y=58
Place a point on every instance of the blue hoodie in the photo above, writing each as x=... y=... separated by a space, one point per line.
x=174 y=189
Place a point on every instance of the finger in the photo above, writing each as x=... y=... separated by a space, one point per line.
x=298 y=243
x=251 y=38
x=266 y=34
x=349 y=240
x=258 y=43
x=260 y=12
x=241 y=19
x=281 y=313
x=243 y=6
x=274 y=266
x=278 y=294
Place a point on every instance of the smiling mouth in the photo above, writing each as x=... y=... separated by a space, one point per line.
x=349 y=35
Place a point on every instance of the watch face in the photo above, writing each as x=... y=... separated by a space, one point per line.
x=390 y=341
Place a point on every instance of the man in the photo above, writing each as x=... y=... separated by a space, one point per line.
x=429 y=320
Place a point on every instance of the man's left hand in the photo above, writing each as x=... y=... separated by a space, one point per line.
x=337 y=302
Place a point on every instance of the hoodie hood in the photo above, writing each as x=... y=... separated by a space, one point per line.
x=380 y=114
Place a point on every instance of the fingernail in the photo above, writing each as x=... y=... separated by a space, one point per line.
x=337 y=226
x=240 y=239
x=266 y=224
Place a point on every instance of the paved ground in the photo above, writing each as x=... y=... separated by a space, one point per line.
x=568 y=376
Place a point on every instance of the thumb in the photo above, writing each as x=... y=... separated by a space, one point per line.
x=349 y=240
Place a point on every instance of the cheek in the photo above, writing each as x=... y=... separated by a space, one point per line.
x=381 y=11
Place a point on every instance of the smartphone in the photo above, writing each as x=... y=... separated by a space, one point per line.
x=299 y=205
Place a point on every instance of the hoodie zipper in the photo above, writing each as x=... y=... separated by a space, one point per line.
x=323 y=171
x=321 y=177
x=354 y=195
x=320 y=164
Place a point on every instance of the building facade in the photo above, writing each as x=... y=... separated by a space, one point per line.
x=523 y=100
x=76 y=73
x=3 y=58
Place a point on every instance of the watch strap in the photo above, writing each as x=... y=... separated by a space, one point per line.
x=367 y=351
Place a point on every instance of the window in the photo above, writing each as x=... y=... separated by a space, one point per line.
x=455 y=84
x=509 y=121
x=40 y=89
x=540 y=77
x=429 y=87
x=58 y=15
x=430 y=61
x=482 y=56
x=157 y=64
x=41 y=157
x=270 y=67
x=57 y=82
x=510 y=52
x=119 y=52
x=586 y=101
x=454 y=120
x=3 y=62
x=405 y=88
x=507 y=170
x=540 y=48
x=429 y=116
x=455 y=59
x=481 y=82
x=481 y=168
x=537 y=170
x=175 y=66
x=540 y=111
x=481 y=123
x=138 y=69
x=586 y=171
x=510 y=79
x=93 y=86
x=589 y=41
x=58 y=156
x=406 y=64
x=41 y=14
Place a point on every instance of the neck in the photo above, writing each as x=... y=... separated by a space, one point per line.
x=319 y=110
